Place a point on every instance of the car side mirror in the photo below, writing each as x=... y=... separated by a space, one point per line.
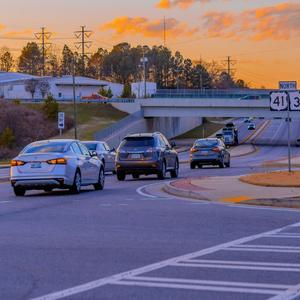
x=173 y=144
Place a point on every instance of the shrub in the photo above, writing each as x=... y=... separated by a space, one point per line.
x=127 y=93
x=50 y=108
x=7 y=138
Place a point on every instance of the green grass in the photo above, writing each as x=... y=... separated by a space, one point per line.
x=205 y=130
x=92 y=117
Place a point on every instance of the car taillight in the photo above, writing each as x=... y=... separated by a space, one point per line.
x=17 y=163
x=193 y=150
x=216 y=149
x=57 y=161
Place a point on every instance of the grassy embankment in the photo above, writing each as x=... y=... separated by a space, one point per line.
x=92 y=117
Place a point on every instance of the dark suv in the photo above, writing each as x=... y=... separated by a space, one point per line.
x=145 y=154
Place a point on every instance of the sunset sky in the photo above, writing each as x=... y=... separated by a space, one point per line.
x=263 y=36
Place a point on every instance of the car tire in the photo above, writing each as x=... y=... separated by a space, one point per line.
x=121 y=176
x=19 y=192
x=162 y=172
x=222 y=164
x=174 y=173
x=193 y=166
x=135 y=176
x=76 y=187
x=99 y=186
x=228 y=163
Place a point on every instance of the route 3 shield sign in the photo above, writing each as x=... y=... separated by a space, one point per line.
x=294 y=100
x=279 y=101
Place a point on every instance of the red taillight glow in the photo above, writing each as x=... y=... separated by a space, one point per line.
x=17 y=163
x=216 y=149
x=193 y=150
x=57 y=161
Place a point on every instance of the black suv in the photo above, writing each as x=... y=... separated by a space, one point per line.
x=145 y=154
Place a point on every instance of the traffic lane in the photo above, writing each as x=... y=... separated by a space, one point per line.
x=55 y=247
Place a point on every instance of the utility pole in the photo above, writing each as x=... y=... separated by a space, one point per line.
x=74 y=99
x=230 y=63
x=144 y=60
x=84 y=44
x=43 y=36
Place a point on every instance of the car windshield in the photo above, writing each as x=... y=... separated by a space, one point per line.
x=206 y=143
x=91 y=146
x=138 y=142
x=53 y=147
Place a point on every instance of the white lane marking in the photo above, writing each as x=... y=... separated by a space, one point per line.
x=235 y=267
x=238 y=262
x=211 y=282
x=268 y=247
x=199 y=287
x=262 y=250
x=2 y=202
x=296 y=225
x=141 y=191
x=155 y=266
x=290 y=294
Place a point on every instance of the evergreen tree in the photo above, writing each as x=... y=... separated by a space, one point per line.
x=30 y=60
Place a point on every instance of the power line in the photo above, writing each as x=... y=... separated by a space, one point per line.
x=83 y=34
x=230 y=63
x=43 y=36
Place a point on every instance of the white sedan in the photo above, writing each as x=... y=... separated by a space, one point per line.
x=63 y=164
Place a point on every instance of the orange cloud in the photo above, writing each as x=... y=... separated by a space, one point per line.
x=167 y=4
x=278 y=22
x=2 y=26
x=18 y=34
x=148 y=28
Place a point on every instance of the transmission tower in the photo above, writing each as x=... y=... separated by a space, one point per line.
x=43 y=37
x=83 y=44
x=229 y=63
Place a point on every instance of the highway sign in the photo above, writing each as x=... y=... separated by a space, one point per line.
x=294 y=100
x=61 y=120
x=288 y=85
x=279 y=101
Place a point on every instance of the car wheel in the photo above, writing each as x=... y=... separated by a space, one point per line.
x=135 y=176
x=19 y=192
x=222 y=164
x=76 y=187
x=174 y=173
x=162 y=173
x=121 y=176
x=228 y=163
x=193 y=166
x=99 y=186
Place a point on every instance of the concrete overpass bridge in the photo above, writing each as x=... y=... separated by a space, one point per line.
x=210 y=107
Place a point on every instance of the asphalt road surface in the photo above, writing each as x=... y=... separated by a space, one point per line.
x=132 y=241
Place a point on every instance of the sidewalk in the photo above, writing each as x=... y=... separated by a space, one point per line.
x=231 y=190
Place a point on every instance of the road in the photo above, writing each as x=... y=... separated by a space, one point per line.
x=82 y=246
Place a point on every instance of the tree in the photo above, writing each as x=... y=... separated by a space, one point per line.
x=30 y=60
x=66 y=67
x=95 y=64
x=50 y=108
x=44 y=87
x=201 y=78
x=105 y=93
x=241 y=84
x=52 y=65
x=31 y=86
x=6 y=61
x=7 y=138
x=127 y=93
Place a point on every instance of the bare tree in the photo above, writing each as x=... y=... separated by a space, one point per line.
x=31 y=86
x=44 y=87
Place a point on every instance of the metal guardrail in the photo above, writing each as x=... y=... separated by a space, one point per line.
x=211 y=93
x=109 y=131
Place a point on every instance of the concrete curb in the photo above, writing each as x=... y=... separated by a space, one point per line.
x=170 y=189
x=283 y=202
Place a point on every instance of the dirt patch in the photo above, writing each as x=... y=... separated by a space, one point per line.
x=273 y=179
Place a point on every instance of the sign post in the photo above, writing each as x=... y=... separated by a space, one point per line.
x=286 y=99
x=61 y=122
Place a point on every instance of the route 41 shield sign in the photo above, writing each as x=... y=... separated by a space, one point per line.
x=279 y=101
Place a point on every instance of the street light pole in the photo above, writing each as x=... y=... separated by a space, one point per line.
x=74 y=101
x=289 y=133
x=144 y=60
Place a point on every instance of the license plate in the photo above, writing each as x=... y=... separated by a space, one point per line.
x=36 y=165
x=204 y=152
x=135 y=156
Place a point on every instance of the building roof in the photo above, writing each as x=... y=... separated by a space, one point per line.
x=10 y=77
x=80 y=81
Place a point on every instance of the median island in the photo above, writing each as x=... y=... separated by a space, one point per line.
x=273 y=179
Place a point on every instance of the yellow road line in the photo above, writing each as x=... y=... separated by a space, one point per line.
x=235 y=199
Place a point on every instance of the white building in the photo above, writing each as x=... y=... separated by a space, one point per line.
x=138 y=89
x=13 y=86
